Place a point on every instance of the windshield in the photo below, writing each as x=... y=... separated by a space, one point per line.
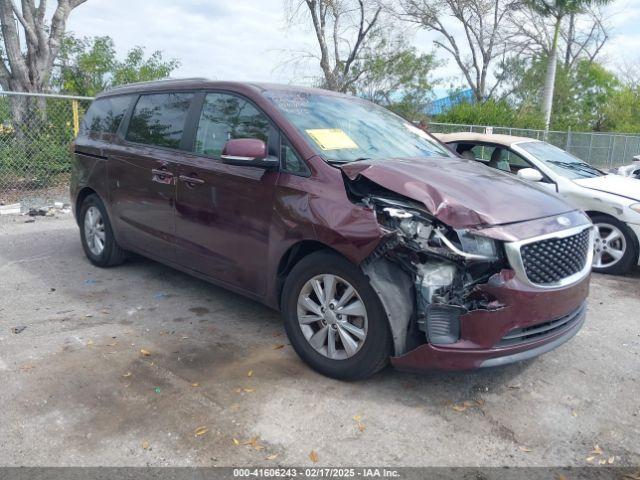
x=344 y=129
x=561 y=162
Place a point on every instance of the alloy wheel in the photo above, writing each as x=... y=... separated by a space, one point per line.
x=609 y=246
x=94 y=233
x=332 y=316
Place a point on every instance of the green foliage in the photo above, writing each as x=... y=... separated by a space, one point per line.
x=397 y=77
x=137 y=68
x=580 y=96
x=86 y=65
x=492 y=112
x=89 y=65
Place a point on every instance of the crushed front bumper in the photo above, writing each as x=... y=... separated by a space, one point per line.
x=531 y=323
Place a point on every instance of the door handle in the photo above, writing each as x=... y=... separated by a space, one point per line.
x=191 y=181
x=161 y=175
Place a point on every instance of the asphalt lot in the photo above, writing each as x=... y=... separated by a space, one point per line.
x=121 y=367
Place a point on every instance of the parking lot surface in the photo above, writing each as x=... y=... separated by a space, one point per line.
x=143 y=365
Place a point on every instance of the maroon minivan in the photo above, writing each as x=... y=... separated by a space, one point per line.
x=373 y=239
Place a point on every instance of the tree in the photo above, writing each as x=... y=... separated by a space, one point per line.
x=396 y=76
x=88 y=66
x=482 y=24
x=557 y=11
x=85 y=66
x=343 y=30
x=30 y=70
x=136 y=68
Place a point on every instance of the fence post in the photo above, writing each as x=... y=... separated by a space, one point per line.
x=568 y=139
x=76 y=117
x=624 y=153
x=612 y=145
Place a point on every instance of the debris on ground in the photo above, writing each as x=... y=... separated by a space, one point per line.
x=49 y=210
x=359 y=424
x=313 y=456
x=145 y=445
x=157 y=389
x=18 y=329
x=200 y=431
x=145 y=353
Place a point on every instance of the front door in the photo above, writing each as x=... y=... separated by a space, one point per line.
x=223 y=212
x=143 y=172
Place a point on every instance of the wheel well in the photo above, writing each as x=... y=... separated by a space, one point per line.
x=592 y=213
x=82 y=194
x=293 y=255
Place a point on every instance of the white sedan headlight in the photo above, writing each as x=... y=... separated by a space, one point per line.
x=635 y=207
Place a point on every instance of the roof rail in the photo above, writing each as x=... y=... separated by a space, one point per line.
x=164 y=81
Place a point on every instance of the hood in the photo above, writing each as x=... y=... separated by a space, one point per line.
x=461 y=193
x=614 y=184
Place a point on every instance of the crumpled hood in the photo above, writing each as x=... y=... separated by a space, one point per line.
x=461 y=193
x=615 y=184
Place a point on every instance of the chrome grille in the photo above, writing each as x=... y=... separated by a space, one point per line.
x=552 y=260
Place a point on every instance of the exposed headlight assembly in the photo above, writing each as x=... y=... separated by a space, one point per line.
x=422 y=232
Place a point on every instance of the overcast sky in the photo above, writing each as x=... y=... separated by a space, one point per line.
x=248 y=39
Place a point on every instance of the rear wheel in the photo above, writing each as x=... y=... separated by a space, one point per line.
x=96 y=233
x=334 y=319
x=615 y=247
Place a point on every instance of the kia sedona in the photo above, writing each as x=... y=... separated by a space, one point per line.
x=375 y=242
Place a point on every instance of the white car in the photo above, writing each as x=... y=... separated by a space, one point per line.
x=632 y=170
x=612 y=201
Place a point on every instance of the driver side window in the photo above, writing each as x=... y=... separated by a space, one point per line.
x=225 y=117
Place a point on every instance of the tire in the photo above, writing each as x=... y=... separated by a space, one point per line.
x=627 y=243
x=373 y=350
x=110 y=254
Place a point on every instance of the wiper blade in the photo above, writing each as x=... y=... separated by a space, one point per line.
x=582 y=167
x=359 y=159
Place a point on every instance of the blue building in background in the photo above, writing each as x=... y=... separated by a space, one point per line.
x=441 y=105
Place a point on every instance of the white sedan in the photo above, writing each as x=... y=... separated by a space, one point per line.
x=612 y=201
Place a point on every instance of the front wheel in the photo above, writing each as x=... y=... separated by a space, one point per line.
x=615 y=247
x=334 y=319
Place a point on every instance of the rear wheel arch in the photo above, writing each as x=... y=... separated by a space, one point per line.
x=80 y=198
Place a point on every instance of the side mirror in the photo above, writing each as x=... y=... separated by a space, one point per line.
x=247 y=152
x=530 y=174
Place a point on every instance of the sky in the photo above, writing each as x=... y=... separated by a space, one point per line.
x=250 y=40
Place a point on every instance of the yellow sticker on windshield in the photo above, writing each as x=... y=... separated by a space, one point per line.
x=331 y=138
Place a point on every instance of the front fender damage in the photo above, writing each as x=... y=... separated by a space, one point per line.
x=427 y=275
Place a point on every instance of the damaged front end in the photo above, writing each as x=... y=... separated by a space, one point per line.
x=444 y=266
x=451 y=290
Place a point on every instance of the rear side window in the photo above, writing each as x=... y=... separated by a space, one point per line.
x=105 y=114
x=159 y=119
x=225 y=117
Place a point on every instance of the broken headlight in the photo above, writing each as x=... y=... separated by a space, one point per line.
x=477 y=245
x=421 y=232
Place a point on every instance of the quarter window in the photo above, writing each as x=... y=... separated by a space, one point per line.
x=105 y=114
x=292 y=162
x=225 y=117
x=159 y=119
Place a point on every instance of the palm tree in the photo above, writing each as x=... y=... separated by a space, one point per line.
x=557 y=10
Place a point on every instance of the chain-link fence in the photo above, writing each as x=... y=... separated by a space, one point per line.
x=36 y=131
x=602 y=150
x=35 y=135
